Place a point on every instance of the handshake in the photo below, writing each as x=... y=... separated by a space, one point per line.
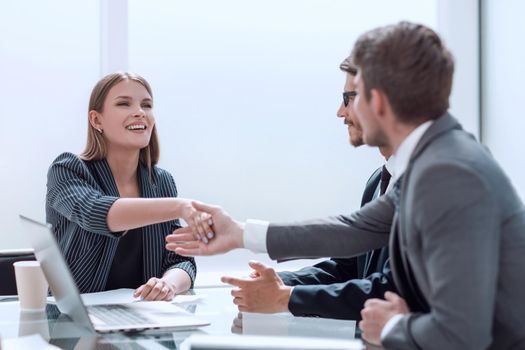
x=210 y=231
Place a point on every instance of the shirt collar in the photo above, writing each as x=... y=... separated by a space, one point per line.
x=402 y=155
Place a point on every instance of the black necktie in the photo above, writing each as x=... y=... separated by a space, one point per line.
x=385 y=179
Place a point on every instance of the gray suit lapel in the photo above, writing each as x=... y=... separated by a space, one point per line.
x=401 y=269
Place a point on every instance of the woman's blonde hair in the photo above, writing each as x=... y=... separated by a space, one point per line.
x=96 y=145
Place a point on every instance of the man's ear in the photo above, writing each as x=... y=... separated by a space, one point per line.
x=94 y=119
x=378 y=102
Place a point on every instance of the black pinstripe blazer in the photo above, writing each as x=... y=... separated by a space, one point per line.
x=79 y=195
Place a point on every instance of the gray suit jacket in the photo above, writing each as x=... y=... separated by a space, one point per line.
x=338 y=288
x=457 y=245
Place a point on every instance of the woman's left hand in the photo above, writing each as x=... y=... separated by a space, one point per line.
x=155 y=289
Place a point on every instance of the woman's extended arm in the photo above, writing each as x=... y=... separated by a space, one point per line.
x=129 y=213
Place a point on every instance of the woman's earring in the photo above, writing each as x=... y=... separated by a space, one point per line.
x=99 y=130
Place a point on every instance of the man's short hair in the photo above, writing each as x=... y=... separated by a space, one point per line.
x=410 y=65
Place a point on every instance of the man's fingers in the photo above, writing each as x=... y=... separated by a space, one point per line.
x=363 y=327
x=374 y=302
x=393 y=297
x=237 y=293
x=180 y=237
x=177 y=247
x=184 y=230
x=234 y=281
x=369 y=313
x=187 y=245
x=370 y=303
x=186 y=251
x=398 y=302
x=365 y=313
x=257 y=266
x=238 y=301
x=188 y=229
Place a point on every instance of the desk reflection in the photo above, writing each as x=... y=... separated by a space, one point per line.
x=215 y=306
x=33 y=322
x=284 y=324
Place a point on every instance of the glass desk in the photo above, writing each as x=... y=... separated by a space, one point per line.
x=215 y=306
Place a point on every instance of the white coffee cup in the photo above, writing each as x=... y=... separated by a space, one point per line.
x=31 y=285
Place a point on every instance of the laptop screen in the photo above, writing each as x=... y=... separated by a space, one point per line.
x=55 y=269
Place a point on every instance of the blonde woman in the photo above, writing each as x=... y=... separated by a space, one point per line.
x=111 y=207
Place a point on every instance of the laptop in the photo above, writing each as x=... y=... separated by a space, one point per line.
x=128 y=317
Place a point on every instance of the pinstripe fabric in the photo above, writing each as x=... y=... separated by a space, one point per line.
x=79 y=195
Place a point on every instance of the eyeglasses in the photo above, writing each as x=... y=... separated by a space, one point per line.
x=348 y=96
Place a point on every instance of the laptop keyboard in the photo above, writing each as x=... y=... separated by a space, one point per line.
x=115 y=315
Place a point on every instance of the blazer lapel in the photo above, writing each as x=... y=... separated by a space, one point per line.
x=151 y=241
x=401 y=270
x=105 y=176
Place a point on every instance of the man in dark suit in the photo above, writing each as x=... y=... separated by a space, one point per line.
x=335 y=288
x=454 y=223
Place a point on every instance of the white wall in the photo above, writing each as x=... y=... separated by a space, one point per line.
x=458 y=25
x=503 y=92
x=49 y=61
x=245 y=98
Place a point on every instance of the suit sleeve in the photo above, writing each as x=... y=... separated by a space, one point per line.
x=342 y=300
x=458 y=239
x=73 y=193
x=325 y=272
x=171 y=259
x=341 y=236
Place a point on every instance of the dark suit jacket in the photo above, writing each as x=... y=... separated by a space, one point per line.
x=79 y=195
x=457 y=245
x=338 y=288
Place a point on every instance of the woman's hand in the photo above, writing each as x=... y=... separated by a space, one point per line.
x=198 y=221
x=155 y=289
